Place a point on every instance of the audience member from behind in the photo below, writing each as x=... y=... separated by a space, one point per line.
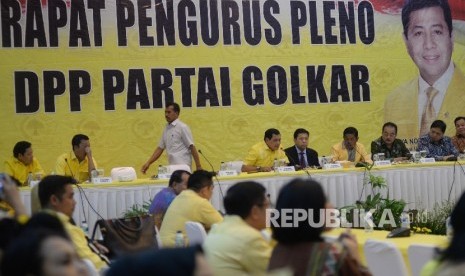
x=436 y=144
x=166 y=262
x=42 y=252
x=163 y=199
x=452 y=260
x=458 y=140
x=262 y=155
x=192 y=204
x=56 y=195
x=300 y=155
x=79 y=162
x=22 y=163
x=236 y=245
x=300 y=246
x=350 y=149
x=394 y=149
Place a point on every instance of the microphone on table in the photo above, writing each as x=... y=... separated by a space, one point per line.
x=81 y=191
x=71 y=171
x=213 y=172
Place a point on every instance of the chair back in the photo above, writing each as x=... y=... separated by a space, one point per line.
x=384 y=258
x=419 y=255
x=195 y=232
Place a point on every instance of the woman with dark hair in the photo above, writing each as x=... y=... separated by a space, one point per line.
x=44 y=252
x=452 y=260
x=300 y=245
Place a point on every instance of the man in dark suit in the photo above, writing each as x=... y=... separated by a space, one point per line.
x=300 y=155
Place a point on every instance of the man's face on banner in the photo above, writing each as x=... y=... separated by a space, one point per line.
x=429 y=43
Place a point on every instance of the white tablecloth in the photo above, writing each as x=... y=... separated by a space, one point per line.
x=419 y=186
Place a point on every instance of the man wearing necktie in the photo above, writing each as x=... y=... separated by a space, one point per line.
x=438 y=92
x=300 y=155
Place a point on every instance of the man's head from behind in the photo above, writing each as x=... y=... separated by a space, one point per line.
x=201 y=183
x=301 y=138
x=56 y=193
x=178 y=181
x=23 y=152
x=350 y=136
x=247 y=200
x=272 y=138
x=389 y=133
x=428 y=36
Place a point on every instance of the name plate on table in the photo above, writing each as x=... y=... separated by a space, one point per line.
x=227 y=173
x=427 y=160
x=102 y=180
x=383 y=163
x=286 y=169
x=332 y=166
x=164 y=176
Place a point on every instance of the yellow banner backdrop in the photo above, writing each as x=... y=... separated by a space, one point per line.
x=237 y=68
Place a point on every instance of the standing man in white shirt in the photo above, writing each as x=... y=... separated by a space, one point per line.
x=177 y=140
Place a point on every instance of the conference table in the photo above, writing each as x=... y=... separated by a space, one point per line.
x=420 y=185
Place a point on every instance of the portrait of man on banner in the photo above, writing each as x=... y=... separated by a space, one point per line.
x=437 y=93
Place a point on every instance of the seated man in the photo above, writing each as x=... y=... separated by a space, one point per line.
x=350 y=149
x=458 y=140
x=393 y=149
x=79 y=162
x=22 y=163
x=262 y=155
x=163 y=199
x=300 y=155
x=236 y=246
x=436 y=144
x=190 y=205
x=57 y=196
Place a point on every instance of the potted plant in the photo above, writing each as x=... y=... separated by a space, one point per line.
x=375 y=201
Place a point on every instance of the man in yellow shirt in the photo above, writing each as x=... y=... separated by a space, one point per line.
x=79 y=162
x=190 y=205
x=56 y=194
x=22 y=163
x=262 y=155
x=236 y=246
x=350 y=149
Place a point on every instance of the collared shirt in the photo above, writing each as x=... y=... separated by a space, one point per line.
x=233 y=247
x=68 y=164
x=398 y=148
x=187 y=206
x=459 y=142
x=18 y=170
x=176 y=139
x=261 y=155
x=340 y=153
x=437 y=150
x=441 y=85
x=78 y=237
x=160 y=204
x=300 y=154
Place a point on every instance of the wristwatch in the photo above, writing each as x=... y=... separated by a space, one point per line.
x=259 y=169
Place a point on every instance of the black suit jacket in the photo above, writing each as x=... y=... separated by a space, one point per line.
x=293 y=156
